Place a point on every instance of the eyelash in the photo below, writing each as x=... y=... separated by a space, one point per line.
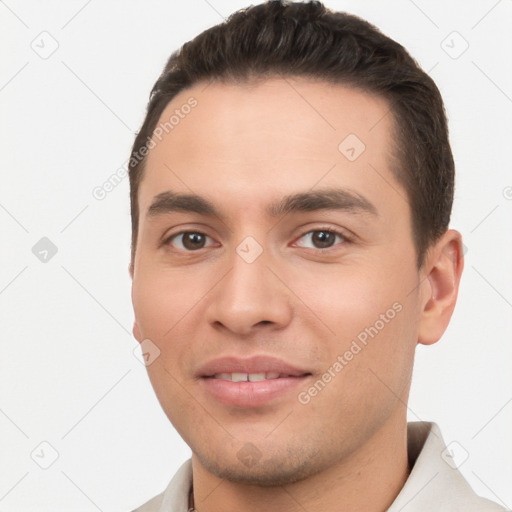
x=345 y=238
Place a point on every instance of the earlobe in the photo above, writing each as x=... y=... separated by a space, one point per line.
x=444 y=265
x=136 y=332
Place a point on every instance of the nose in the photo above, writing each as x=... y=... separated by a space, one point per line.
x=250 y=297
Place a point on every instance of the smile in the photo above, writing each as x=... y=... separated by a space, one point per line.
x=251 y=381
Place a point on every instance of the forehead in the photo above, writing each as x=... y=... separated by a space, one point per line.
x=268 y=138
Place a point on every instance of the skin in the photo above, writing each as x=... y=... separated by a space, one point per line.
x=241 y=147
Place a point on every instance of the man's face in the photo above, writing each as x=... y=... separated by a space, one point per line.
x=288 y=292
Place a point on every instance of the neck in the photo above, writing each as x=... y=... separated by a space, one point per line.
x=369 y=479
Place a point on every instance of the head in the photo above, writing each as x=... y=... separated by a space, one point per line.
x=319 y=151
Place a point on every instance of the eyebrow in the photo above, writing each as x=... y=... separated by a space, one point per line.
x=324 y=199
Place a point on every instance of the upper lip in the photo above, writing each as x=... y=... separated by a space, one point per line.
x=254 y=364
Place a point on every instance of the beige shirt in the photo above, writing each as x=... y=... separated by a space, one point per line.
x=435 y=483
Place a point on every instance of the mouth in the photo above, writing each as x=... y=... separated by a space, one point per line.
x=252 y=382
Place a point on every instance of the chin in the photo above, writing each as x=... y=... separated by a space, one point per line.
x=272 y=472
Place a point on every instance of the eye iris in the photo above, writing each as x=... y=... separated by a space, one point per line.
x=193 y=240
x=323 y=239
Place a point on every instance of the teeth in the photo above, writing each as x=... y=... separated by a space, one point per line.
x=247 y=377
x=225 y=376
x=255 y=377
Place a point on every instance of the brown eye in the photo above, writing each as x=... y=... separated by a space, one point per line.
x=193 y=241
x=188 y=240
x=321 y=239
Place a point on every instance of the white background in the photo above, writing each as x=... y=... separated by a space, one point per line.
x=68 y=375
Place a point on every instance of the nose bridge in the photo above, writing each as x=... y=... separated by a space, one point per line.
x=250 y=294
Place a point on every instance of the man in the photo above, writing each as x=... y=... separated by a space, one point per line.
x=291 y=190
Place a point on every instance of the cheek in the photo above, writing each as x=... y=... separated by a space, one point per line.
x=167 y=305
x=346 y=300
x=162 y=299
x=369 y=318
x=163 y=302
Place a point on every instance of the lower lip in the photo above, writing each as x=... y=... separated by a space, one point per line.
x=250 y=394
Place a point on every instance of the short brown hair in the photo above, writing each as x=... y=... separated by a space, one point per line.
x=280 y=38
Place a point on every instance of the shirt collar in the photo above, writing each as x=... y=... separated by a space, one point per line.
x=435 y=483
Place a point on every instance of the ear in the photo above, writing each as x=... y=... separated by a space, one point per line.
x=440 y=285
